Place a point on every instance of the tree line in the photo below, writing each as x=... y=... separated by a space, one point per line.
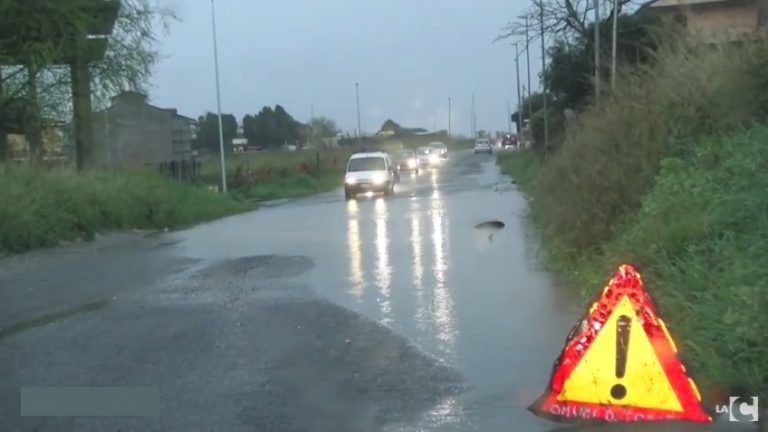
x=269 y=128
x=570 y=71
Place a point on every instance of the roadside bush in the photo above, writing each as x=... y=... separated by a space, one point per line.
x=611 y=155
x=701 y=237
x=40 y=207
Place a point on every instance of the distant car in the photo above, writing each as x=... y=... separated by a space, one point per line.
x=483 y=145
x=509 y=141
x=422 y=156
x=439 y=147
x=369 y=172
x=406 y=160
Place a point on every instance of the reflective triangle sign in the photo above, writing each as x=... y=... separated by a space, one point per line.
x=620 y=364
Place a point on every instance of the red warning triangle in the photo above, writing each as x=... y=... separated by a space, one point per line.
x=620 y=364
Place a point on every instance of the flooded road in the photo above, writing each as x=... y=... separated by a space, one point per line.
x=473 y=298
x=401 y=314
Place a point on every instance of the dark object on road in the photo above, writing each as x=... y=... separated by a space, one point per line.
x=490 y=224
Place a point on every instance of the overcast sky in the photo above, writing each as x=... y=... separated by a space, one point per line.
x=407 y=55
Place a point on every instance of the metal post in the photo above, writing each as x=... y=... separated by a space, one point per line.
x=544 y=80
x=449 y=116
x=597 y=50
x=528 y=63
x=311 y=129
x=359 y=128
x=519 y=98
x=509 y=119
x=218 y=101
x=614 y=42
x=474 y=119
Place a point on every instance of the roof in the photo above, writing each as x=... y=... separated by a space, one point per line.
x=368 y=154
x=676 y=3
x=141 y=99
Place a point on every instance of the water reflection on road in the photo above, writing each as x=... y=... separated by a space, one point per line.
x=482 y=307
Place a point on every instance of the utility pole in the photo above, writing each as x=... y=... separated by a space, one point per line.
x=597 y=50
x=544 y=81
x=359 y=128
x=449 y=116
x=519 y=99
x=474 y=119
x=528 y=63
x=614 y=42
x=218 y=101
x=311 y=129
x=509 y=119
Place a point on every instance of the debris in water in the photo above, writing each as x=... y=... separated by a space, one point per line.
x=490 y=225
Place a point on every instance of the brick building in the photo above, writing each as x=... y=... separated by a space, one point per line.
x=714 y=20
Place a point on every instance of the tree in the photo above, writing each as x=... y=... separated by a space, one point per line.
x=29 y=36
x=208 y=132
x=323 y=127
x=566 y=20
x=272 y=127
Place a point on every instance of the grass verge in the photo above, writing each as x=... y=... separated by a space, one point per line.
x=669 y=174
x=700 y=238
x=41 y=207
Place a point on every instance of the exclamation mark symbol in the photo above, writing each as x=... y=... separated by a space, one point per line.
x=623 y=326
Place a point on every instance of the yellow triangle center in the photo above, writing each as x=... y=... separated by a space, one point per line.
x=644 y=383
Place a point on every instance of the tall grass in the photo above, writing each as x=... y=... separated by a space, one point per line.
x=40 y=207
x=669 y=173
x=610 y=157
x=701 y=237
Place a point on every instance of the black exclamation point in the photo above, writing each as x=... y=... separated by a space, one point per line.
x=623 y=326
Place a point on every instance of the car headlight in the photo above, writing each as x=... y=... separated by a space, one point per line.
x=351 y=180
x=433 y=158
x=412 y=163
x=378 y=178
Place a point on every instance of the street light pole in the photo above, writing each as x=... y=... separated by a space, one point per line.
x=359 y=129
x=218 y=101
x=543 y=75
x=449 y=116
x=509 y=119
x=474 y=119
x=528 y=63
x=519 y=99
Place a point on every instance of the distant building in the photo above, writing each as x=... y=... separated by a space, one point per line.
x=713 y=20
x=133 y=132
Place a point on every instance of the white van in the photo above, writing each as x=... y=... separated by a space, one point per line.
x=369 y=172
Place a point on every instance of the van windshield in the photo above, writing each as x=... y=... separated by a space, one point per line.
x=367 y=164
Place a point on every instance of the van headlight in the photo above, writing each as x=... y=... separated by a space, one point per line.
x=350 y=180
x=433 y=158
x=411 y=163
x=378 y=178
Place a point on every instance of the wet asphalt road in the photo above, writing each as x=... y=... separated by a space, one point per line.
x=317 y=314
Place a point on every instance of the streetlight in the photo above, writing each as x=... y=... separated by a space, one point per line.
x=218 y=101
x=528 y=64
x=359 y=129
x=519 y=125
x=474 y=118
